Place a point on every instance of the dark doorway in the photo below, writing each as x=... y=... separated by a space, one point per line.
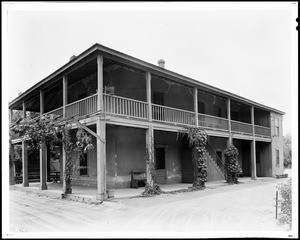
x=160 y=158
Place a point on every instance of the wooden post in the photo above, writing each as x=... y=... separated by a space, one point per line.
x=101 y=162
x=276 y=203
x=11 y=114
x=65 y=95
x=229 y=121
x=63 y=158
x=253 y=148
x=100 y=82
x=149 y=141
x=253 y=159
x=43 y=166
x=41 y=103
x=24 y=111
x=25 y=164
x=148 y=92
x=252 y=121
x=196 y=106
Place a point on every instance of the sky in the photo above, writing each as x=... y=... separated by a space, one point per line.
x=244 y=48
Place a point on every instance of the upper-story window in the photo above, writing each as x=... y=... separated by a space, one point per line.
x=276 y=127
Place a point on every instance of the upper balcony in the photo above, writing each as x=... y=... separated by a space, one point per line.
x=172 y=102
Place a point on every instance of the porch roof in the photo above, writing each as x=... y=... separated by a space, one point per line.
x=119 y=56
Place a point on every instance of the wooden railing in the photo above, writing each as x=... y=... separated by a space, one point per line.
x=125 y=106
x=82 y=107
x=241 y=127
x=172 y=115
x=262 y=131
x=56 y=112
x=138 y=109
x=212 y=122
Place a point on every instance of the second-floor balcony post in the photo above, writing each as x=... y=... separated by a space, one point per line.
x=229 y=121
x=65 y=95
x=253 y=148
x=24 y=111
x=41 y=102
x=148 y=92
x=100 y=82
x=196 y=106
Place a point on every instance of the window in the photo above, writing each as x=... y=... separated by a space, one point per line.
x=277 y=157
x=276 y=127
x=83 y=164
x=160 y=158
x=201 y=107
x=217 y=111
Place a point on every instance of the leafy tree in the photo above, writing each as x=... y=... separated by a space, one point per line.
x=287 y=150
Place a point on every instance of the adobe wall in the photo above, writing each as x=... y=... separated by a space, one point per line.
x=277 y=144
x=173 y=149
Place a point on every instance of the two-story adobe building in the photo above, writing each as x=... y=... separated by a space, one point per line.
x=127 y=102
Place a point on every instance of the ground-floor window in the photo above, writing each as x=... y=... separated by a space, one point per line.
x=277 y=157
x=83 y=164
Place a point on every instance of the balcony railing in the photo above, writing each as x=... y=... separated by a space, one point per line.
x=56 y=112
x=212 y=122
x=172 y=115
x=82 y=107
x=121 y=106
x=262 y=131
x=125 y=106
x=241 y=127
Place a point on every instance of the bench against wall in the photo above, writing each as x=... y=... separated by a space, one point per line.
x=138 y=178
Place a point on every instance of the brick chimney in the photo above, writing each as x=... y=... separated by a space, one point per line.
x=71 y=58
x=161 y=63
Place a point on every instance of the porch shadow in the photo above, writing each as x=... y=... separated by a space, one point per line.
x=87 y=194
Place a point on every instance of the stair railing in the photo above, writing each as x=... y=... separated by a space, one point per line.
x=218 y=160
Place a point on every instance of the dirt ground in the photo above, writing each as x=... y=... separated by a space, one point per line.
x=237 y=210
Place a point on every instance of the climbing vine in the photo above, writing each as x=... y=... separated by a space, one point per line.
x=151 y=188
x=197 y=140
x=45 y=129
x=232 y=166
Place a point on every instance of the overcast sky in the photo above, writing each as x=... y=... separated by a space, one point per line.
x=243 y=48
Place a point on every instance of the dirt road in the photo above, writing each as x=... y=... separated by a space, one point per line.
x=242 y=207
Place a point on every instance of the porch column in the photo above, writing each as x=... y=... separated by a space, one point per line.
x=43 y=166
x=25 y=164
x=100 y=83
x=148 y=89
x=11 y=114
x=149 y=141
x=196 y=106
x=101 y=161
x=64 y=187
x=24 y=111
x=253 y=160
x=229 y=121
x=41 y=102
x=253 y=148
x=65 y=95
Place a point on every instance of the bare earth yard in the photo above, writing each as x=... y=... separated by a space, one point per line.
x=241 y=210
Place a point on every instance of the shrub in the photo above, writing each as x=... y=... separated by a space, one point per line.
x=285 y=202
x=232 y=166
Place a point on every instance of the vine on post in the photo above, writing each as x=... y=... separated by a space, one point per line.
x=44 y=129
x=197 y=140
x=232 y=166
x=151 y=188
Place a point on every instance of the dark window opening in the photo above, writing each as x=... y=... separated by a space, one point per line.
x=219 y=154
x=277 y=157
x=201 y=107
x=83 y=164
x=217 y=111
x=158 y=98
x=160 y=158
